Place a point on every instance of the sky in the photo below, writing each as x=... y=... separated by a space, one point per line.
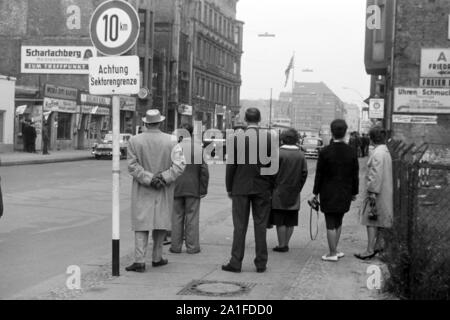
x=327 y=36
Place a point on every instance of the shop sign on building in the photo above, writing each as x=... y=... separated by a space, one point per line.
x=128 y=103
x=185 y=110
x=89 y=99
x=414 y=119
x=63 y=93
x=422 y=100
x=376 y=109
x=220 y=110
x=101 y=111
x=58 y=105
x=56 y=60
x=435 y=63
x=435 y=82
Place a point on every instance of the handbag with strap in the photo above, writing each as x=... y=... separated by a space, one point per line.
x=369 y=209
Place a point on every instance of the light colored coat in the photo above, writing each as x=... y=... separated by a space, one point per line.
x=150 y=154
x=380 y=181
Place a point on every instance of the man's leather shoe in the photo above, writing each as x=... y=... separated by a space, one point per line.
x=229 y=268
x=261 y=270
x=136 y=267
x=281 y=249
x=160 y=264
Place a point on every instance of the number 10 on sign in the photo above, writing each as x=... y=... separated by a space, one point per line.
x=114 y=27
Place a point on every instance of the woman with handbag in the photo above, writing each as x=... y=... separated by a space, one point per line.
x=378 y=212
x=337 y=185
x=289 y=182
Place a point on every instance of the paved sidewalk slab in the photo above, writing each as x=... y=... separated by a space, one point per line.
x=22 y=158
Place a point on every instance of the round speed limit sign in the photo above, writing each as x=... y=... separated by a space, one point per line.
x=114 y=27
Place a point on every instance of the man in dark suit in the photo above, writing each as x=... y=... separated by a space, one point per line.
x=247 y=186
x=337 y=183
x=1 y=200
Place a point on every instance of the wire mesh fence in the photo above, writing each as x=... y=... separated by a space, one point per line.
x=418 y=246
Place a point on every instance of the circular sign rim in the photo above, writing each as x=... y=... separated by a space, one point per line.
x=134 y=17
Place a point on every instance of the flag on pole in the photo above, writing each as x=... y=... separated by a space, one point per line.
x=288 y=70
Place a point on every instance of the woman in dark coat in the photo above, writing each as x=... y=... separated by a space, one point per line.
x=337 y=184
x=289 y=182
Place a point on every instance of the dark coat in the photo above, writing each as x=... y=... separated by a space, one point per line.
x=337 y=178
x=290 y=179
x=244 y=178
x=195 y=179
x=1 y=200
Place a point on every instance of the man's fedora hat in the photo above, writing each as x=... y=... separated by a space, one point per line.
x=153 y=116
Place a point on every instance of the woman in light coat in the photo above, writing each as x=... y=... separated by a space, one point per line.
x=380 y=192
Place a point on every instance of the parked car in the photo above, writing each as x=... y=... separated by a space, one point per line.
x=105 y=149
x=218 y=140
x=312 y=147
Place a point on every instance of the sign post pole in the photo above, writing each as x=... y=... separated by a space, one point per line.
x=116 y=188
x=114 y=30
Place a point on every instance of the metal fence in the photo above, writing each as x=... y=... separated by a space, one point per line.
x=418 y=247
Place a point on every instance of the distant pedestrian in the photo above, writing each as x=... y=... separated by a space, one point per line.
x=366 y=144
x=189 y=189
x=337 y=185
x=247 y=187
x=155 y=161
x=1 y=200
x=32 y=137
x=353 y=142
x=45 y=138
x=25 y=136
x=380 y=193
x=289 y=183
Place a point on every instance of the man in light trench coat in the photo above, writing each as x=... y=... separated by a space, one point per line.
x=155 y=161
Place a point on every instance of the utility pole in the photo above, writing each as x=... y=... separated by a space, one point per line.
x=270 y=117
x=175 y=56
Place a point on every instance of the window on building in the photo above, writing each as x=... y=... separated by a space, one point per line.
x=143 y=20
x=207 y=90
x=199 y=47
x=380 y=33
x=206 y=55
x=197 y=84
x=205 y=13
x=211 y=54
x=210 y=22
x=64 y=126
x=199 y=11
x=236 y=35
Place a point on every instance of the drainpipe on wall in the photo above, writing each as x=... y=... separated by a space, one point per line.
x=390 y=105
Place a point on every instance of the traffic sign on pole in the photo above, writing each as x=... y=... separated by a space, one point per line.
x=114 y=30
x=114 y=27
x=114 y=75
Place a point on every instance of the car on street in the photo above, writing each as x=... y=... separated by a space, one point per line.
x=105 y=148
x=216 y=138
x=312 y=147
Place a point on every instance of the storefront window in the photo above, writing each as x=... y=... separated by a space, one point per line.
x=64 y=126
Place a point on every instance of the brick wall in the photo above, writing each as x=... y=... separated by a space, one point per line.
x=421 y=24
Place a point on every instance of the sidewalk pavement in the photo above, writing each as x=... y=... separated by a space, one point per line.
x=23 y=158
x=297 y=275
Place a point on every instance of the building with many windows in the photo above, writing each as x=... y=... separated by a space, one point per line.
x=407 y=54
x=46 y=45
x=314 y=107
x=218 y=39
